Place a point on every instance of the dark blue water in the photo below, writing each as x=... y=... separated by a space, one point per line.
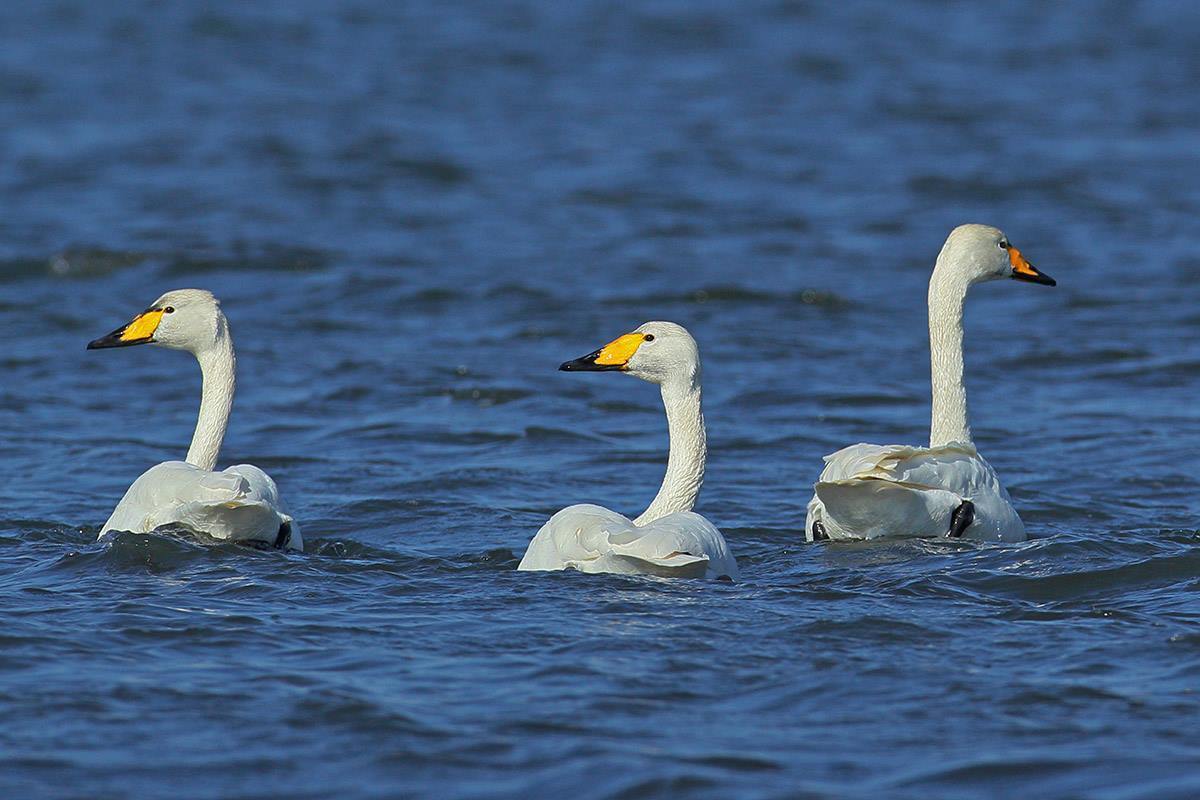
x=414 y=212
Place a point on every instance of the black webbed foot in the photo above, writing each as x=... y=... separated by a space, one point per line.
x=284 y=536
x=961 y=519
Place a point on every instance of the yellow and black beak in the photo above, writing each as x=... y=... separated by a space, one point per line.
x=139 y=330
x=1022 y=270
x=613 y=356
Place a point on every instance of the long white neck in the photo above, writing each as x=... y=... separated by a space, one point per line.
x=947 y=294
x=217 y=366
x=685 y=464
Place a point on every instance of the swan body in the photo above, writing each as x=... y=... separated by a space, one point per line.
x=591 y=538
x=668 y=539
x=240 y=503
x=869 y=491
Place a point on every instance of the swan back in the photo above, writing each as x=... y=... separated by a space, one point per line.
x=591 y=538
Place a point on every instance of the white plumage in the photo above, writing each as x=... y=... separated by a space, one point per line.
x=668 y=539
x=240 y=503
x=592 y=538
x=869 y=491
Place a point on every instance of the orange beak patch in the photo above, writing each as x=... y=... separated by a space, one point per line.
x=618 y=352
x=139 y=330
x=614 y=356
x=143 y=326
x=1022 y=270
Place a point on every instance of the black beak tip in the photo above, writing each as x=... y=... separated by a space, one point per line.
x=582 y=364
x=114 y=340
x=1041 y=279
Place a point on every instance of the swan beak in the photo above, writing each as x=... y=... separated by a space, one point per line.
x=139 y=330
x=1022 y=270
x=613 y=356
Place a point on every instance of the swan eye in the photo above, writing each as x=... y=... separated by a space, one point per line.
x=649 y=337
x=169 y=310
x=1003 y=245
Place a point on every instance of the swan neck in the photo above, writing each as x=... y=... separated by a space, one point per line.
x=217 y=367
x=947 y=296
x=685 y=464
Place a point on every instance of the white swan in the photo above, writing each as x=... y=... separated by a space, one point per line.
x=947 y=489
x=668 y=539
x=240 y=503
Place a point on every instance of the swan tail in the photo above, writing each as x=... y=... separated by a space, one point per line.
x=870 y=508
x=672 y=565
x=679 y=544
x=237 y=520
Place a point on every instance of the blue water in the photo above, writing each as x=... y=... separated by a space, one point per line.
x=414 y=212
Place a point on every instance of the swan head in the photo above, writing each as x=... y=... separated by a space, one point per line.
x=983 y=253
x=182 y=319
x=659 y=352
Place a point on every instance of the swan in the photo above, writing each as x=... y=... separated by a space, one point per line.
x=946 y=489
x=240 y=503
x=668 y=539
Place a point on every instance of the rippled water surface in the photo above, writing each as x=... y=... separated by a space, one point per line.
x=414 y=212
